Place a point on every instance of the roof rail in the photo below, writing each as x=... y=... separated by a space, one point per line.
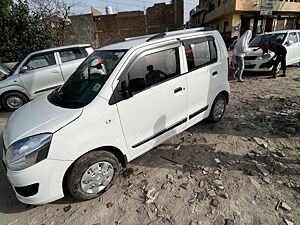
x=178 y=32
x=156 y=36
x=136 y=38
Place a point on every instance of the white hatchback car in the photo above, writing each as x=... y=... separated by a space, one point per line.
x=254 y=61
x=122 y=101
x=40 y=72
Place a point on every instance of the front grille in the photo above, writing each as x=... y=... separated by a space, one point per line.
x=249 y=66
x=250 y=57
x=28 y=191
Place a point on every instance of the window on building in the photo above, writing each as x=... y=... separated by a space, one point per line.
x=41 y=61
x=71 y=54
x=200 y=54
x=219 y=2
x=153 y=69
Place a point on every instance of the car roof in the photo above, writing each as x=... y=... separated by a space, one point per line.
x=61 y=48
x=280 y=31
x=154 y=38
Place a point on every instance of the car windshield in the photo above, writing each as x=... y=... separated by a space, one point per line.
x=17 y=65
x=88 y=79
x=276 y=37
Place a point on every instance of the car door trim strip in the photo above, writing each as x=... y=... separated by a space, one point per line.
x=160 y=133
x=198 y=112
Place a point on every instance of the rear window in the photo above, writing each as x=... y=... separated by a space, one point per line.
x=71 y=54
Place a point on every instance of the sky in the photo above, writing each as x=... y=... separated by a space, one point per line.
x=128 y=5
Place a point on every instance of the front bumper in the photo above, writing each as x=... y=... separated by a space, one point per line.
x=257 y=65
x=43 y=182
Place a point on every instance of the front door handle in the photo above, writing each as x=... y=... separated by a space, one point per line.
x=55 y=71
x=215 y=73
x=178 y=89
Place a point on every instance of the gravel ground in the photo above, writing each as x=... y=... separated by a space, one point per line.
x=232 y=172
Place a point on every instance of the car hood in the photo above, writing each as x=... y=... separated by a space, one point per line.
x=36 y=117
x=254 y=53
x=258 y=52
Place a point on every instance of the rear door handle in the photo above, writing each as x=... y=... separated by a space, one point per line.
x=215 y=73
x=55 y=71
x=178 y=89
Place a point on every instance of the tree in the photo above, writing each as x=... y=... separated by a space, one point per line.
x=55 y=13
x=22 y=31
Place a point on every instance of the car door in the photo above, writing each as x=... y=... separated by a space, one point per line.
x=292 y=46
x=157 y=108
x=70 y=59
x=42 y=75
x=198 y=58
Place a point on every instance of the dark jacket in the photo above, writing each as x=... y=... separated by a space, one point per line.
x=277 y=48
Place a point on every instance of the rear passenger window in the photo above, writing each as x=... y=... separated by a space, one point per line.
x=153 y=69
x=71 y=54
x=200 y=54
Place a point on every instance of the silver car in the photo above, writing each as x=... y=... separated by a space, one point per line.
x=39 y=73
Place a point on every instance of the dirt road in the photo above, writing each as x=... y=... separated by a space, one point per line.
x=232 y=172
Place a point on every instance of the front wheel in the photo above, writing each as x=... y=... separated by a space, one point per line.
x=13 y=100
x=92 y=174
x=217 y=109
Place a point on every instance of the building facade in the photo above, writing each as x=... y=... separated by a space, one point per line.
x=198 y=13
x=100 y=30
x=233 y=17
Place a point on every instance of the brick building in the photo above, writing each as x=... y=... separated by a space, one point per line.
x=100 y=30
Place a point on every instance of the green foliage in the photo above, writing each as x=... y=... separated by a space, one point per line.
x=21 y=31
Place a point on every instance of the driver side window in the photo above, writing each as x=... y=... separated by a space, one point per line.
x=153 y=69
x=293 y=37
x=40 y=61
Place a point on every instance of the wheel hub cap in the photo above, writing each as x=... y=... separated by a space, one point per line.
x=14 y=102
x=97 y=177
x=219 y=109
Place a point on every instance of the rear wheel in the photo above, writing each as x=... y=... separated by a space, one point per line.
x=217 y=109
x=13 y=100
x=92 y=174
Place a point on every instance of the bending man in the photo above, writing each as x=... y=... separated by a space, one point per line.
x=280 y=54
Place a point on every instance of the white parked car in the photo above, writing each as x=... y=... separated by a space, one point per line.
x=40 y=72
x=124 y=100
x=289 y=38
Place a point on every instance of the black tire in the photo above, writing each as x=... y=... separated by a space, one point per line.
x=212 y=117
x=82 y=165
x=7 y=100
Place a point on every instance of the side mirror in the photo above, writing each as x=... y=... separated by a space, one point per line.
x=99 y=66
x=23 y=69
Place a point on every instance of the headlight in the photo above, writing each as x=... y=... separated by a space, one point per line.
x=28 y=151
